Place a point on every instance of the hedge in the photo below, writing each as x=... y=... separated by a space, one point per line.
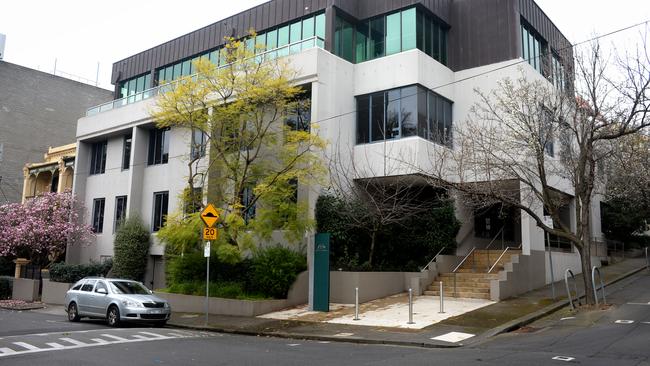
x=6 y=287
x=64 y=272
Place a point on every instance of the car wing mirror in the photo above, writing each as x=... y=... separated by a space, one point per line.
x=102 y=291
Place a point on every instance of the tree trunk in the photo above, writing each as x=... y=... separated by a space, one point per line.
x=373 y=237
x=585 y=261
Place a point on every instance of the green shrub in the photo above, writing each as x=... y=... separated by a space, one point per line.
x=226 y=290
x=274 y=270
x=7 y=266
x=6 y=287
x=63 y=272
x=131 y=250
x=191 y=267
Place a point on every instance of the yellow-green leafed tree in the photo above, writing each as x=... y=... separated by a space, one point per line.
x=254 y=157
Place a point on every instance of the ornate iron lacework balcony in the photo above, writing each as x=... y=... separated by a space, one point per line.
x=288 y=49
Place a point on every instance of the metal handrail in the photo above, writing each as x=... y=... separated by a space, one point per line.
x=495 y=237
x=318 y=42
x=433 y=259
x=464 y=259
x=498 y=259
x=602 y=285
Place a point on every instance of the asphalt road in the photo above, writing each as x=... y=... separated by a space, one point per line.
x=617 y=336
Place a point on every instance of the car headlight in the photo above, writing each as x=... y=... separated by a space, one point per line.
x=131 y=303
x=167 y=305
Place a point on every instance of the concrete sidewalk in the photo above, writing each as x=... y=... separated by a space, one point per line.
x=471 y=327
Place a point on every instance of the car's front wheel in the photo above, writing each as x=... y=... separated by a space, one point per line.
x=113 y=316
x=73 y=312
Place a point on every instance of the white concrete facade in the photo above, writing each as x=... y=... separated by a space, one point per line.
x=334 y=85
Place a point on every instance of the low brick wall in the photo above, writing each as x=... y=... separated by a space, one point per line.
x=374 y=285
x=25 y=289
x=54 y=292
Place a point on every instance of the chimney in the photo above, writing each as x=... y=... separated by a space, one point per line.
x=3 y=38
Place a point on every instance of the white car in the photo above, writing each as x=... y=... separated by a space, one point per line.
x=115 y=300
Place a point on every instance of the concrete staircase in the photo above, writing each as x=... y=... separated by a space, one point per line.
x=472 y=279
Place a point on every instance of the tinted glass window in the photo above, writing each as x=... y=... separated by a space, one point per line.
x=377 y=116
x=128 y=288
x=363 y=116
x=392 y=113
x=408 y=29
x=376 y=44
x=100 y=285
x=393 y=30
x=160 y=206
x=98 y=215
x=88 y=285
x=77 y=286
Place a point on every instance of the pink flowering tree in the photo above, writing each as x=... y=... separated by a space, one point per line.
x=41 y=228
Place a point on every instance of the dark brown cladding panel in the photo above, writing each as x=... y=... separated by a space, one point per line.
x=482 y=31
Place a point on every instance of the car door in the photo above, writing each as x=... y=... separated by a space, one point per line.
x=83 y=298
x=98 y=300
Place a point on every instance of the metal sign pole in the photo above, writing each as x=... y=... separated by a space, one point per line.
x=550 y=263
x=206 y=253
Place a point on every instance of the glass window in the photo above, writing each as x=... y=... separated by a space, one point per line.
x=223 y=56
x=409 y=30
x=299 y=119
x=443 y=46
x=126 y=152
x=283 y=40
x=344 y=39
x=120 y=212
x=440 y=119
x=376 y=45
x=247 y=198
x=428 y=36
x=436 y=41
x=98 y=158
x=320 y=25
x=524 y=43
x=101 y=285
x=147 y=81
x=159 y=209
x=272 y=39
x=260 y=43
x=393 y=99
x=448 y=124
x=185 y=68
x=295 y=36
x=363 y=118
x=422 y=112
x=409 y=111
x=308 y=32
x=88 y=285
x=214 y=57
x=98 y=215
x=377 y=116
x=431 y=117
x=128 y=288
x=158 y=146
x=197 y=149
x=361 y=40
x=393 y=30
x=176 y=73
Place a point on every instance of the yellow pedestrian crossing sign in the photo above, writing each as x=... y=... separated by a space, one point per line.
x=209 y=215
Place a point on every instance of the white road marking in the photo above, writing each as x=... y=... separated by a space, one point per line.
x=568 y=318
x=638 y=303
x=324 y=342
x=563 y=358
x=293 y=344
x=25 y=345
x=115 y=337
x=74 y=341
x=343 y=334
x=645 y=322
x=453 y=337
x=624 y=321
x=5 y=351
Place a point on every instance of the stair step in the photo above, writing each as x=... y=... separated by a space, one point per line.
x=458 y=294
x=470 y=275
x=450 y=289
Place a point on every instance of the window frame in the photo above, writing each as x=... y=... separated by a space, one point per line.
x=98 y=166
x=99 y=204
x=159 y=222
x=158 y=149
x=126 y=151
x=119 y=208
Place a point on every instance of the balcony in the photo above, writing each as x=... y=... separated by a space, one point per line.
x=286 y=50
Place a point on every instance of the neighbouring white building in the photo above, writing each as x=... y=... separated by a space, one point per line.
x=366 y=65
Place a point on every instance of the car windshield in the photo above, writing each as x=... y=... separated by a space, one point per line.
x=128 y=288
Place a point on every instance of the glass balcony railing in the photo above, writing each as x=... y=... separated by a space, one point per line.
x=289 y=49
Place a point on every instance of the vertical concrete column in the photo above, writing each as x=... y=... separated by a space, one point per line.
x=138 y=162
x=532 y=236
x=82 y=164
x=60 y=187
x=26 y=183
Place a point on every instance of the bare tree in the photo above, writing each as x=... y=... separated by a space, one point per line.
x=526 y=142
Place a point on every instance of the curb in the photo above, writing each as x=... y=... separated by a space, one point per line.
x=527 y=319
x=312 y=337
x=504 y=328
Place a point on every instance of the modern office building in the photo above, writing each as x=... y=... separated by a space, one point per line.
x=385 y=77
x=37 y=110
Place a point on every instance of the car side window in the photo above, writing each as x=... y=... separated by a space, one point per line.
x=88 y=285
x=100 y=284
x=78 y=286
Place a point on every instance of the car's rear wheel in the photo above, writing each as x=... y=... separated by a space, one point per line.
x=113 y=316
x=73 y=312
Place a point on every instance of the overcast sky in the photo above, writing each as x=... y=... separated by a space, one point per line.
x=80 y=34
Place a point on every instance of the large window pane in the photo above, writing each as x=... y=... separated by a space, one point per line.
x=409 y=33
x=308 y=32
x=393 y=30
x=443 y=46
x=320 y=25
x=448 y=124
x=422 y=112
x=185 y=67
x=431 y=116
x=377 y=116
x=363 y=119
x=409 y=111
x=160 y=206
x=177 y=72
x=272 y=39
x=294 y=36
x=126 y=153
x=98 y=215
x=362 y=39
x=436 y=41
x=428 y=36
x=440 y=119
x=420 y=29
x=283 y=36
x=376 y=44
x=392 y=113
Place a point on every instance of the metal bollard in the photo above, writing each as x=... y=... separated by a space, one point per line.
x=356 y=303
x=442 y=300
x=410 y=307
x=647 y=261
